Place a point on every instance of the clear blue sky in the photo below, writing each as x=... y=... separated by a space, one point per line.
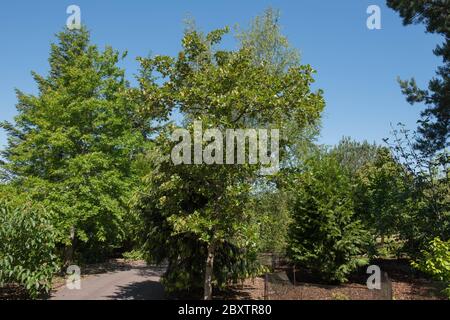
x=357 y=68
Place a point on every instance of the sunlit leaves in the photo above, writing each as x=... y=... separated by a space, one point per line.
x=27 y=247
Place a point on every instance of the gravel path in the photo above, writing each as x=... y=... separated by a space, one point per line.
x=127 y=282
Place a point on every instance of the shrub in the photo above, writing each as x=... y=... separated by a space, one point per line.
x=325 y=237
x=134 y=255
x=435 y=261
x=27 y=257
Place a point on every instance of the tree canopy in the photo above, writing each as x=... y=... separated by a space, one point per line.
x=434 y=124
x=72 y=145
x=206 y=203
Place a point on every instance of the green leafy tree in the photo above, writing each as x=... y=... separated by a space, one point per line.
x=428 y=204
x=383 y=195
x=434 y=123
x=271 y=209
x=426 y=153
x=270 y=47
x=27 y=247
x=72 y=145
x=326 y=237
x=272 y=50
x=199 y=211
x=184 y=214
x=353 y=155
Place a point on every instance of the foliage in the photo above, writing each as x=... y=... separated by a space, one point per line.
x=382 y=191
x=434 y=123
x=428 y=204
x=177 y=203
x=339 y=296
x=273 y=217
x=353 y=155
x=435 y=261
x=197 y=214
x=426 y=153
x=270 y=48
x=325 y=235
x=27 y=247
x=382 y=195
x=134 y=255
x=72 y=146
x=88 y=144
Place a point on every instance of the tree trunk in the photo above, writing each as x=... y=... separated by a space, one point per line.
x=209 y=272
x=70 y=249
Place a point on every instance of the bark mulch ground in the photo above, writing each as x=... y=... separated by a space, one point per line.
x=406 y=285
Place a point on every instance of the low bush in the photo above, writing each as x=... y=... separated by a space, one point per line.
x=27 y=248
x=435 y=261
